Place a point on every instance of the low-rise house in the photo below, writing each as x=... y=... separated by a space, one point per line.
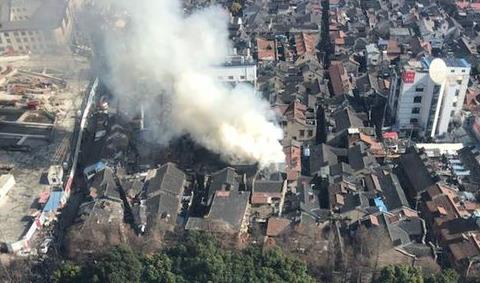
x=386 y=185
x=104 y=186
x=228 y=205
x=305 y=43
x=455 y=223
x=268 y=197
x=348 y=119
x=106 y=205
x=401 y=34
x=340 y=82
x=441 y=206
x=277 y=226
x=266 y=49
x=414 y=175
x=322 y=156
x=403 y=227
x=163 y=196
x=300 y=124
x=349 y=201
x=374 y=55
x=293 y=160
x=360 y=159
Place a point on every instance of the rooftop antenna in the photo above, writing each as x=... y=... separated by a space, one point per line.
x=438 y=72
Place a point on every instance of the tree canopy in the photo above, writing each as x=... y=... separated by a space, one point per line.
x=196 y=258
x=409 y=274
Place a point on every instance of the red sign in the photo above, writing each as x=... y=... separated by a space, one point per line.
x=408 y=77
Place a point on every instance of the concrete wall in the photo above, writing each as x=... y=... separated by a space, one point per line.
x=7 y=182
x=236 y=73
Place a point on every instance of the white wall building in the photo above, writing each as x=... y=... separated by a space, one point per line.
x=7 y=182
x=425 y=107
x=237 y=69
x=36 y=25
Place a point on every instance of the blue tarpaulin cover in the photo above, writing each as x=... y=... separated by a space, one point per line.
x=54 y=201
x=379 y=203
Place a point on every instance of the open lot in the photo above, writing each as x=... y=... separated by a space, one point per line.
x=22 y=127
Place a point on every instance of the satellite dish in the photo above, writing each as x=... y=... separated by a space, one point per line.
x=438 y=71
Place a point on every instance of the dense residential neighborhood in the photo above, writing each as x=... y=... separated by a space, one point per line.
x=240 y=141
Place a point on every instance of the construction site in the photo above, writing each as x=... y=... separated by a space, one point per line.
x=40 y=105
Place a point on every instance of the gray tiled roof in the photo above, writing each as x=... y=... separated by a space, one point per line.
x=168 y=178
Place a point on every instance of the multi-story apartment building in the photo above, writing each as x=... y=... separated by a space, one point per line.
x=36 y=25
x=423 y=107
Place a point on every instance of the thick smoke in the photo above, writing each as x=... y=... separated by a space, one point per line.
x=161 y=51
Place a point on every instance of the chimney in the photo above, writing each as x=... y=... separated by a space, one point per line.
x=142 y=117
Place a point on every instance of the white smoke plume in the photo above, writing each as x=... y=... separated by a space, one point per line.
x=175 y=54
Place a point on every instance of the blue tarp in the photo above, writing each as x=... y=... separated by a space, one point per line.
x=380 y=205
x=53 y=201
x=94 y=168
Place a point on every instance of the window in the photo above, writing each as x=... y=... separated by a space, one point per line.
x=452 y=71
x=415 y=110
x=6 y=34
x=230 y=77
x=454 y=104
x=459 y=82
x=15 y=33
x=417 y=99
x=242 y=77
x=23 y=33
x=419 y=89
x=452 y=113
x=457 y=92
x=463 y=70
x=8 y=40
x=413 y=121
x=310 y=133
x=302 y=133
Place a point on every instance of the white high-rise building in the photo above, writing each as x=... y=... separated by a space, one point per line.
x=427 y=108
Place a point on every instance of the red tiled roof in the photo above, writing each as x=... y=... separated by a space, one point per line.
x=305 y=43
x=393 y=48
x=374 y=220
x=339 y=41
x=339 y=199
x=441 y=210
x=338 y=76
x=296 y=111
x=276 y=226
x=264 y=198
x=465 y=249
x=222 y=194
x=265 y=49
x=293 y=162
